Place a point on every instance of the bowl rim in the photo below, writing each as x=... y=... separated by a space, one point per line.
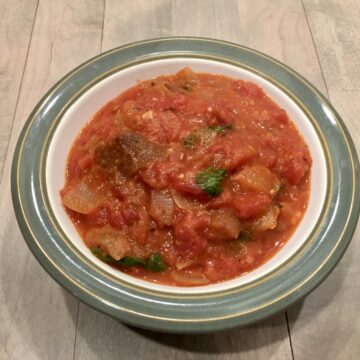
x=136 y=306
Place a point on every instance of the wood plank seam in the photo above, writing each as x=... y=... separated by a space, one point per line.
x=327 y=95
x=76 y=327
x=78 y=301
x=19 y=92
x=316 y=50
x=288 y=329
x=103 y=25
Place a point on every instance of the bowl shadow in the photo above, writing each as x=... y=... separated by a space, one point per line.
x=100 y=336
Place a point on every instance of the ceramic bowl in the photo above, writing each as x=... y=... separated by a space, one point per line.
x=303 y=262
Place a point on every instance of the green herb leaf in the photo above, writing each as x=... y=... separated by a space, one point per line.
x=244 y=236
x=155 y=263
x=102 y=256
x=209 y=181
x=220 y=128
x=189 y=141
x=129 y=261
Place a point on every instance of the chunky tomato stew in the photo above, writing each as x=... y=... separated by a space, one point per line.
x=188 y=179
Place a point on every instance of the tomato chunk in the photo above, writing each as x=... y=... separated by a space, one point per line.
x=189 y=232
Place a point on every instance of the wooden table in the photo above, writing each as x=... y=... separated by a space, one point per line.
x=40 y=41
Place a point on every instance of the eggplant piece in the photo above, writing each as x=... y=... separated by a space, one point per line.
x=129 y=152
x=225 y=225
x=201 y=136
x=162 y=207
x=185 y=202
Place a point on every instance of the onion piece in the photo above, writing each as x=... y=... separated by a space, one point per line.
x=108 y=239
x=268 y=221
x=119 y=120
x=180 y=265
x=225 y=225
x=162 y=207
x=189 y=278
x=82 y=198
x=184 y=202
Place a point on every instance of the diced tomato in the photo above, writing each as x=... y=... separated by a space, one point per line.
x=189 y=232
x=187 y=185
x=295 y=166
x=140 y=229
x=245 y=205
x=221 y=268
x=115 y=215
x=248 y=88
x=85 y=162
x=205 y=172
x=281 y=116
x=130 y=215
x=179 y=102
x=160 y=175
x=98 y=217
x=230 y=151
x=73 y=170
x=250 y=205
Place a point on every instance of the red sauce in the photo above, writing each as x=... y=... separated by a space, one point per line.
x=204 y=171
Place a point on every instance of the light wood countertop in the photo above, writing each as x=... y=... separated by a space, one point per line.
x=40 y=41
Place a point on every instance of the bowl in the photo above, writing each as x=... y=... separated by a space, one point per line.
x=302 y=263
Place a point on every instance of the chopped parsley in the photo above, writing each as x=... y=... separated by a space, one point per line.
x=154 y=263
x=129 y=261
x=244 y=236
x=102 y=256
x=189 y=141
x=220 y=128
x=210 y=180
x=201 y=136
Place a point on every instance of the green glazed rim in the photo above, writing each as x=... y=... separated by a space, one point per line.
x=176 y=312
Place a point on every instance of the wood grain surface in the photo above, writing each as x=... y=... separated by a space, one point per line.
x=328 y=316
x=42 y=40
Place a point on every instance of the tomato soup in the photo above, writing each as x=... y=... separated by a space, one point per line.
x=188 y=179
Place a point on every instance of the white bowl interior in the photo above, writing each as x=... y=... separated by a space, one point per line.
x=93 y=99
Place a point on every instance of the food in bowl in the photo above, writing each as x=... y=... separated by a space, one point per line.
x=188 y=179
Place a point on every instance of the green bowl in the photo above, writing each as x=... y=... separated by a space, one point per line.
x=308 y=257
